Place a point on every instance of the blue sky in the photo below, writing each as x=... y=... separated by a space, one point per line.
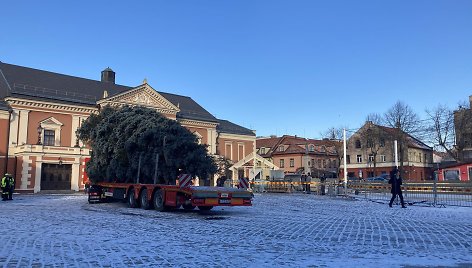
x=279 y=67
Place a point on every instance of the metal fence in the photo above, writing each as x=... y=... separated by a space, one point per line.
x=433 y=193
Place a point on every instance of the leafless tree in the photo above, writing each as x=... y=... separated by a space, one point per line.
x=335 y=136
x=404 y=121
x=373 y=136
x=375 y=118
x=441 y=129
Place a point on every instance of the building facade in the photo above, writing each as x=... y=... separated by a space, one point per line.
x=294 y=154
x=371 y=152
x=463 y=129
x=40 y=112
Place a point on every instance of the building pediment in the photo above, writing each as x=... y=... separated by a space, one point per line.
x=143 y=95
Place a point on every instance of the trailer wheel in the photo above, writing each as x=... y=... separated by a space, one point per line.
x=144 y=200
x=205 y=208
x=158 y=200
x=188 y=207
x=132 y=203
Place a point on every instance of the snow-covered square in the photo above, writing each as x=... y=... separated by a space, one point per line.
x=279 y=230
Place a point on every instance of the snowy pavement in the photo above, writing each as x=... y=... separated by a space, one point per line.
x=279 y=230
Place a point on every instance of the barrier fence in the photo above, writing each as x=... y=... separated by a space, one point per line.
x=426 y=193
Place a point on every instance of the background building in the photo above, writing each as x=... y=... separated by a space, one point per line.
x=294 y=154
x=370 y=153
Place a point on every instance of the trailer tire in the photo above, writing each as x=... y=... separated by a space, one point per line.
x=144 y=200
x=132 y=202
x=205 y=208
x=158 y=200
x=188 y=207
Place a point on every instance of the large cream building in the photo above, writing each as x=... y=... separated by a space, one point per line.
x=40 y=112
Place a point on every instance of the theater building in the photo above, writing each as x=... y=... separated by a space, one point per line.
x=40 y=112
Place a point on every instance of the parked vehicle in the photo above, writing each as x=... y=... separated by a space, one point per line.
x=381 y=178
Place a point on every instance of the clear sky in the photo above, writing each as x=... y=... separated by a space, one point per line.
x=278 y=67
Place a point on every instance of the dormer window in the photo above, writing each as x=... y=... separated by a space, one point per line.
x=262 y=150
x=311 y=148
x=281 y=148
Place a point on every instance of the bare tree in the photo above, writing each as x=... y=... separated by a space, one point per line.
x=404 y=121
x=335 y=137
x=463 y=130
x=373 y=137
x=441 y=129
x=377 y=119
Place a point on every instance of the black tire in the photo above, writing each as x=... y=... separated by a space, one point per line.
x=205 y=208
x=188 y=207
x=132 y=202
x=158 y=200
x=144 y=200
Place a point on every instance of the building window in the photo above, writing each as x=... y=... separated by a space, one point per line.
x=319 y=163
x=281 y=148
x=49 y=137
x=383 y=158
x=359 y=158
x=324 y=163
x=371 y=158
x=262 y=150
x=348 y=159
x=370 y=144
x=382 y=142
x=311 y=148
x=282 y=163
x=292 y=162
x=358 y=144
x=309 y=163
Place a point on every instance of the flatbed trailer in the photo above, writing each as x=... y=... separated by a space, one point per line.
x=167 y=197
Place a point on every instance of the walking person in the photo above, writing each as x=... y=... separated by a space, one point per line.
x=396 y=182
x=11 y=181
x=308 y=182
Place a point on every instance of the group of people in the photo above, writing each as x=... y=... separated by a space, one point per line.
x=8 y=186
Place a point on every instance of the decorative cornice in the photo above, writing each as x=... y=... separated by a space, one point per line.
x=196 y=123
x=237 y=137
x=143 y=95
x=39 y=105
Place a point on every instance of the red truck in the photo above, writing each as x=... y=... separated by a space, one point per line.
x=166 y=197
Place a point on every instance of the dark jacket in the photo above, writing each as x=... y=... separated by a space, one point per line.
x=396 y=183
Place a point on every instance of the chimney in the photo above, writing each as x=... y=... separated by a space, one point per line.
x=108 y=75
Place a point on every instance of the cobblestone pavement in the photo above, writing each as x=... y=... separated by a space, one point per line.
x=281 y=230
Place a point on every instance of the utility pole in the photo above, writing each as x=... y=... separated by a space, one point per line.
x=345 y=160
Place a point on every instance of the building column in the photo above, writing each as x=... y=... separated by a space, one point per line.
x=23 y=129
x=211 y=134
x=75 y=126
x=37 y=179
x=25 y=172
x=74 y=179
x=15 y=118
